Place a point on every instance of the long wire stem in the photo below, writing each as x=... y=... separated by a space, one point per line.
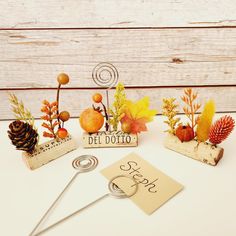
x=54 y=203
x=71 y=215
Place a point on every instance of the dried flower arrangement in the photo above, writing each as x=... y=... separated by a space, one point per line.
x=127 y=120
x=191 y=139
x=24 y=135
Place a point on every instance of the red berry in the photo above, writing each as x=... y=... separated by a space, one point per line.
x=62 y=133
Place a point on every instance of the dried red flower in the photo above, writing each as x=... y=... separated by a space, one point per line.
x=221 y=129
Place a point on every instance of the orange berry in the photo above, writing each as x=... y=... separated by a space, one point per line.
x=97 y=97
x=91 y=121
x=64 y=116
x=62 y=133
x=185 y=133
x=63 y=78
x=126 y=127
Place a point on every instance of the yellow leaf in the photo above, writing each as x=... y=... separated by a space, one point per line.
x=139 y=110
x=205 y=121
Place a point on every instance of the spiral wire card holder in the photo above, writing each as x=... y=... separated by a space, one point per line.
x=114 y=191
x=108 y=81
x=82 y=164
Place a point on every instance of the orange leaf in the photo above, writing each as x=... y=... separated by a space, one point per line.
x=53 y=104
x=46 y=126
x=55 y=124
x=136 y=125
x=47 y=135
x=46 y=103
x=45 y=117
x=54 y=116
x=54 y=109
x=44 y=109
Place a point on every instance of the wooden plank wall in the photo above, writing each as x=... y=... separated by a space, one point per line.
x=158 y=47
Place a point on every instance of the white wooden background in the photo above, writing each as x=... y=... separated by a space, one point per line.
x=159 y=47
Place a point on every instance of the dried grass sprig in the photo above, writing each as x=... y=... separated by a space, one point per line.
x=19 y=110
x=188 y=98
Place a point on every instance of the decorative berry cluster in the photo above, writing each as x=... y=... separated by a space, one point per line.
x=53 y=118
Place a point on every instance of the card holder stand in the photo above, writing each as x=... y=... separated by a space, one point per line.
x=49 y=151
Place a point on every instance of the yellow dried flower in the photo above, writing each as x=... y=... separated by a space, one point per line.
x=169 y=109
x=118 y=107
x=205 y=121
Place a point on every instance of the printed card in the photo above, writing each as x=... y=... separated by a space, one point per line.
x=154 y=187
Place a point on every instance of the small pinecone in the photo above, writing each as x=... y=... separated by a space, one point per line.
x=23 y=136
x=221 y=129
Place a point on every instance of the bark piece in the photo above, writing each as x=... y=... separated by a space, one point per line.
x=204 y=152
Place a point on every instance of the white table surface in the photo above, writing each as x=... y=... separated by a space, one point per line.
x=206 y=206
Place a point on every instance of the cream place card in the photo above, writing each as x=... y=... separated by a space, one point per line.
x=154 y=187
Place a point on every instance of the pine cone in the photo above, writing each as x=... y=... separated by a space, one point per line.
x=221 y=129
x=23 y=136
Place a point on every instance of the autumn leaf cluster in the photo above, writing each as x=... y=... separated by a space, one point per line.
x=137 y=114
x=132 y=116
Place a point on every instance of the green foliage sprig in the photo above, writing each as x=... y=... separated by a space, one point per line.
x=118 y=106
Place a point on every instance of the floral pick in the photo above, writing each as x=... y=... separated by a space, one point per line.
x=136 y=115
x=191 y=107
x=50 y=111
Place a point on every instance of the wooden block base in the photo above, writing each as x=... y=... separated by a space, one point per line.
x=49 y=151
x=109 y=139
x=203 y=152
